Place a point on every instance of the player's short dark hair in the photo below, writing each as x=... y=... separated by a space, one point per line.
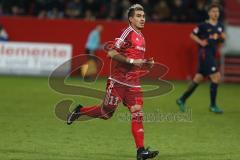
x=214 y=5
x=133 y=8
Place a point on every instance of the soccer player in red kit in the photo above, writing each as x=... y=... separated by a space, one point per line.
x=123 y=83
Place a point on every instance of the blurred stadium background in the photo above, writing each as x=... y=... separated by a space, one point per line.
x=39 y=35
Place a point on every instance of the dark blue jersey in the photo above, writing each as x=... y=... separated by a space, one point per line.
x=214 y=35
x=211 y=33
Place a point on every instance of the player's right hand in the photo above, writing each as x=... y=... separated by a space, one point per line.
x=203 y=43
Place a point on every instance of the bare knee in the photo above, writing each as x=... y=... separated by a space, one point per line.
x=216 y=77
x=135 y=108
x=198 y=78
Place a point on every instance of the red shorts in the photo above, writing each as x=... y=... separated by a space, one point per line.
x=116 y=93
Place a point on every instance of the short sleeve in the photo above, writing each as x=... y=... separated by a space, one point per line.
x=198 y=30
x=122 y=39
x=118 y=43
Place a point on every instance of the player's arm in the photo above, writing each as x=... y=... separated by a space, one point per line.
x=201 y=42
x=121 y=58
x=197 y=31
x=222 y=37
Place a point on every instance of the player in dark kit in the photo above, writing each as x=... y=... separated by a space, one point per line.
x=123 y=83
x=208 y=35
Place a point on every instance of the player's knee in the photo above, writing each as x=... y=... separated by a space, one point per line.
x=135 y=108
x=216 y=79
x=197 y=79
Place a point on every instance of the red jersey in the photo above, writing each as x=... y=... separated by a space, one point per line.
x=131 y=44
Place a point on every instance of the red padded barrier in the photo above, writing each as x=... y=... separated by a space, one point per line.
x=167 y=43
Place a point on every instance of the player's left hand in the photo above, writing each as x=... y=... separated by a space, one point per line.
x=148 y=64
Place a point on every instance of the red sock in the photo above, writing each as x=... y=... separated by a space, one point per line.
x=94 y=111
x=137 y=129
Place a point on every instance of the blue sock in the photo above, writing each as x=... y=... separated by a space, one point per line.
x=213 y=93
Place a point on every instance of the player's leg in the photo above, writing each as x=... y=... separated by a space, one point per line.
x=215 y=80
x=138 y=133
x=102 y=111
x=107 y=108
x=198 y=78
x=134 y=101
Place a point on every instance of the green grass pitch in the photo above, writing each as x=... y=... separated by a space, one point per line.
x=29 y=129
